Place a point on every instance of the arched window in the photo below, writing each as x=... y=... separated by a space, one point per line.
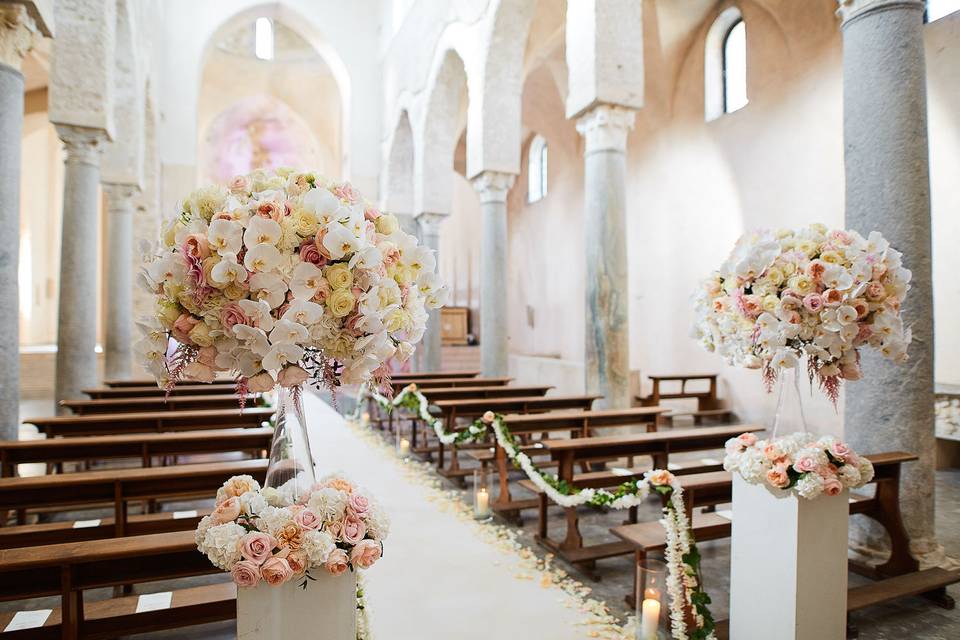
x=537 y=169
x=937 y=9
x=725 y=65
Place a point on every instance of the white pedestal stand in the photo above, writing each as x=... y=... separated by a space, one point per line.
x=788 y=577
x=326 y=609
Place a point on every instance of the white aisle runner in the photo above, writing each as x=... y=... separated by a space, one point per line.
x=438 y=580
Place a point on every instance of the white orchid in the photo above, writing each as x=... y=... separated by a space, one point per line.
x=303 y=312
x=253 y=339
x=307 y=279
x=228 y=271
x=259 y=313
x=288 y=332
x=262 y=230
x=262 y=257
x=225 y=236
x=268 y=287
x=320 y=201
x=280 y=355
x=339 y=241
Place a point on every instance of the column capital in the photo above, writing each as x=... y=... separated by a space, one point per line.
x=18 y=34
x=850 y=10
x=83 y=145
x=430 y=220
x=493 y=185
x=605 y=128
x=120 y=195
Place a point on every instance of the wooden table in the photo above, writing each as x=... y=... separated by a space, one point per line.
x=156 y=403
x=94 y=425
x=100 y=393
x=141 y=446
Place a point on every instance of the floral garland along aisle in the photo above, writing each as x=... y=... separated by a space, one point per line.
x=682 y=556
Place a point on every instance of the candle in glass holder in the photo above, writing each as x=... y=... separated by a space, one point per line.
x=649 y=615
x=483 y=503
x=404 y=447
x=365 y=418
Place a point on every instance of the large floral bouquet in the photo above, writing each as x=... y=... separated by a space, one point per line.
x=257 y=535
x=280 y=277
x=800 y=462
x=814 y=293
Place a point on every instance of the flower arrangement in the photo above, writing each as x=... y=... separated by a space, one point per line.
x=258 y=535
x=814 y=293
x=280 y=277
x=800 y=463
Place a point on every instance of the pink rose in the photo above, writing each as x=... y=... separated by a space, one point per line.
x=309 y=253
x=297 y=561
x=747 y=439
x=337 y=562
x=271 y=210
x=307 y=519
x=260 y=383
x=815 y=269
x=238 y=184
x=365 y=554
x=256 y=546
x=805 y=464
x=862 y=308
x=832 y=486
x=196 y=246
x=353 y=529
x=231 y=314
x=345 y=192
x=778 y=477
x=812 y=302
x=832 y=297
x=226 y=511
x=772 y=452
x=840 y=451
x=875 y=291
x=335 y=529
x=371 y=214
x=291 y=376
x=182 y=327
x=245 y=574
x=276 y=571
x=391 y=257
x=359 y=504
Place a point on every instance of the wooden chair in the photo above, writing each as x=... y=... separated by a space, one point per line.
x=147 y=422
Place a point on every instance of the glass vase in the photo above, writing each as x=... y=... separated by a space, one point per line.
x=789 y=417
x=481 y=495
x=653 y=605
x=290 y=470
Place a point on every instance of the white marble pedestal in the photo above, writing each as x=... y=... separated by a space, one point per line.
x=788 y=566
x=326 y=609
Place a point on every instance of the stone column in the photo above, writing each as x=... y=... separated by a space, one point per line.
x=607 y=356
x=77 y=313
x=493 y=187
x=118 y=351
x=17 y=31
x=888 y=190
x=429 y=224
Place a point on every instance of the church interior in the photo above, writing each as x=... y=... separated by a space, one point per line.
x=575 y=168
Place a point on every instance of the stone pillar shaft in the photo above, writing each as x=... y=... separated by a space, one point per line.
x=888 y=190
x=118 y=350
x=77 y=313
x=607 y=354
x=432 y=360
x=492 y=186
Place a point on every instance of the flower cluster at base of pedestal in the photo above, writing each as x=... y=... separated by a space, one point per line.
x=259 y=536
x=683 y=559
x=814 y=293
x=799 y=463
x=283 y=276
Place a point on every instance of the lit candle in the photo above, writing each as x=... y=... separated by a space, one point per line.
x=649 y=616
x=365 y=418
x=404 y=447
x=483 y=503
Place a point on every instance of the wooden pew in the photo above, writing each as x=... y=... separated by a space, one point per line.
x=146 y=422
x=450 y=410
x=478 y=392
x=413 y=377
x=67 y=570
x=150 y=382
x=156 y=403
x=705 y=399
x=141 y=447
x=102 y=393
x=441 y=383
x=120 y=487
x=659 y=446
x=578 y=423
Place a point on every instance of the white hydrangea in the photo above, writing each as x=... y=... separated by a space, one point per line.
x=272 y=519
x=205 y=523
x=810 y=486
x=317 y=545
x=849 y=475
x=252 y=502
x=220 y=543
x=329 y=503
x=865 y=467
x=378 y=522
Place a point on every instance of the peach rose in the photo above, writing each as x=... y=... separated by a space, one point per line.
x=339 y=484
x=256 y=546
x=291 y=535
x=365 y=554
x=805 y=464
x=272 y=210
x=238 y=184
x=489 y=417
x=359 y=504
x=182 y=327
x=747 y=439
x=661 y=477
x=337 y=562
x=840 y=451
x=832 y=297
x=832 y=486
x=291 y=376
x=772 y=452
x=297 y=561
x=875 y=291
x=371 y=214
x=778 y=477
x=245 y=574
x=231 y=314
x=307 y=519
x=335 y=529
x=353 y=529
x=239 y=485
x=196 y=246
x=260 y=383
x=276 y=571
x=226 y=511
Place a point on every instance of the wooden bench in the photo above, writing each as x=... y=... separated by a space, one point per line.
x=146 y=422
x=67 y=570
x=142 y=447
x=705 y=399
x=699 y=417
x=659 y=446
x=102 y=393
x=442 y=383
x=150 y=382
x=431 y=375
x=156 y=403
x=120 y=487
x=450 y=410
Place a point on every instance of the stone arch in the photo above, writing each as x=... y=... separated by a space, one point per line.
x=443 y=120
x=398 y=177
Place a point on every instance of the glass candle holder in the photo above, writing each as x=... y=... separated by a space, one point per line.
x=653 y=605
x=403 y=439
x=481 y=495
